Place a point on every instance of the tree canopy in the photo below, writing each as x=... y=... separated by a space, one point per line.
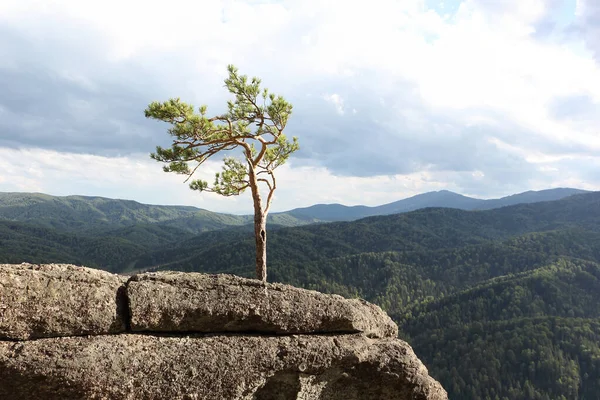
x=254 y=123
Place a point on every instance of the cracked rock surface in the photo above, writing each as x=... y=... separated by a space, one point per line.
x=343 y=367
x=59 y=300
x=70 y=332
x=192 y=302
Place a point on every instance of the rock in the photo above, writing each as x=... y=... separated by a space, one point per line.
x=130 y=366
x=296 y=344
x=192 y=302
x=51 y=300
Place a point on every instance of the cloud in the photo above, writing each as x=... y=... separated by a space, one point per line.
x=139 y=178
x=337 y=102
x=575 y=107
x=588 y=24
x=473 y=94
x=133 y=177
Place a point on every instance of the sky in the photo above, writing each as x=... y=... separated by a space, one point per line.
x=391 y=98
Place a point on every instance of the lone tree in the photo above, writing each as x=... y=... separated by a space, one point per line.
x=254 y=124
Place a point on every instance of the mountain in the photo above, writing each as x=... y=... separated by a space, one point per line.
x=529 y=197
x=499 y=304
x=338 y=212
x=530 y=335
x=442 y=198
x=84 y=213
x=432 y=228
x=81 y=213
x=110 y=249
x=331 y=212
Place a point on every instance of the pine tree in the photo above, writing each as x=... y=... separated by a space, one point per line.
x=254 y=123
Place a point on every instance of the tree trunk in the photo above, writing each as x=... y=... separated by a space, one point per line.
x=260 y=234
x=260 y=226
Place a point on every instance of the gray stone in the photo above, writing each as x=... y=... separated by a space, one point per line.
x=130 y=366
x=44 y=301
x=192 y=302
x=59 y=300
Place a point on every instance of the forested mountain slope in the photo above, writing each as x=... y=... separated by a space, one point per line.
x=422 y=230
x=84 y=214
x=110 y=249
x=499 y=304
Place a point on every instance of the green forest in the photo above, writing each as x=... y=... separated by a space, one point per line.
x=498 y=304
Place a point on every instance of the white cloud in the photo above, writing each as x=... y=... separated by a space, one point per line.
x=429 y=101
x=337 y=101
x=136 y=177
x=141 y=179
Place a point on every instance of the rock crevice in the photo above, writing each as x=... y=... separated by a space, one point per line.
x=78 y=333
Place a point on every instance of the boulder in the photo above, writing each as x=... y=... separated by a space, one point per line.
x=38 y=301
x=131 y=366
x=258 y=342
x=193 y=302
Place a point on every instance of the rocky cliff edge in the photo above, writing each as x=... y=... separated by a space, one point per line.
x=69 y=332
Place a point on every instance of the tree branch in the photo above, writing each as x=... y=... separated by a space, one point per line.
x=259 y=157
x=238 y=190
x=271 y=191
x=265 y=181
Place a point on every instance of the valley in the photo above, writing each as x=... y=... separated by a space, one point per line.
x=499 y=303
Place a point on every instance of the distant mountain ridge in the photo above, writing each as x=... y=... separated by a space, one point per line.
x=442 y=198
x=79 y=213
